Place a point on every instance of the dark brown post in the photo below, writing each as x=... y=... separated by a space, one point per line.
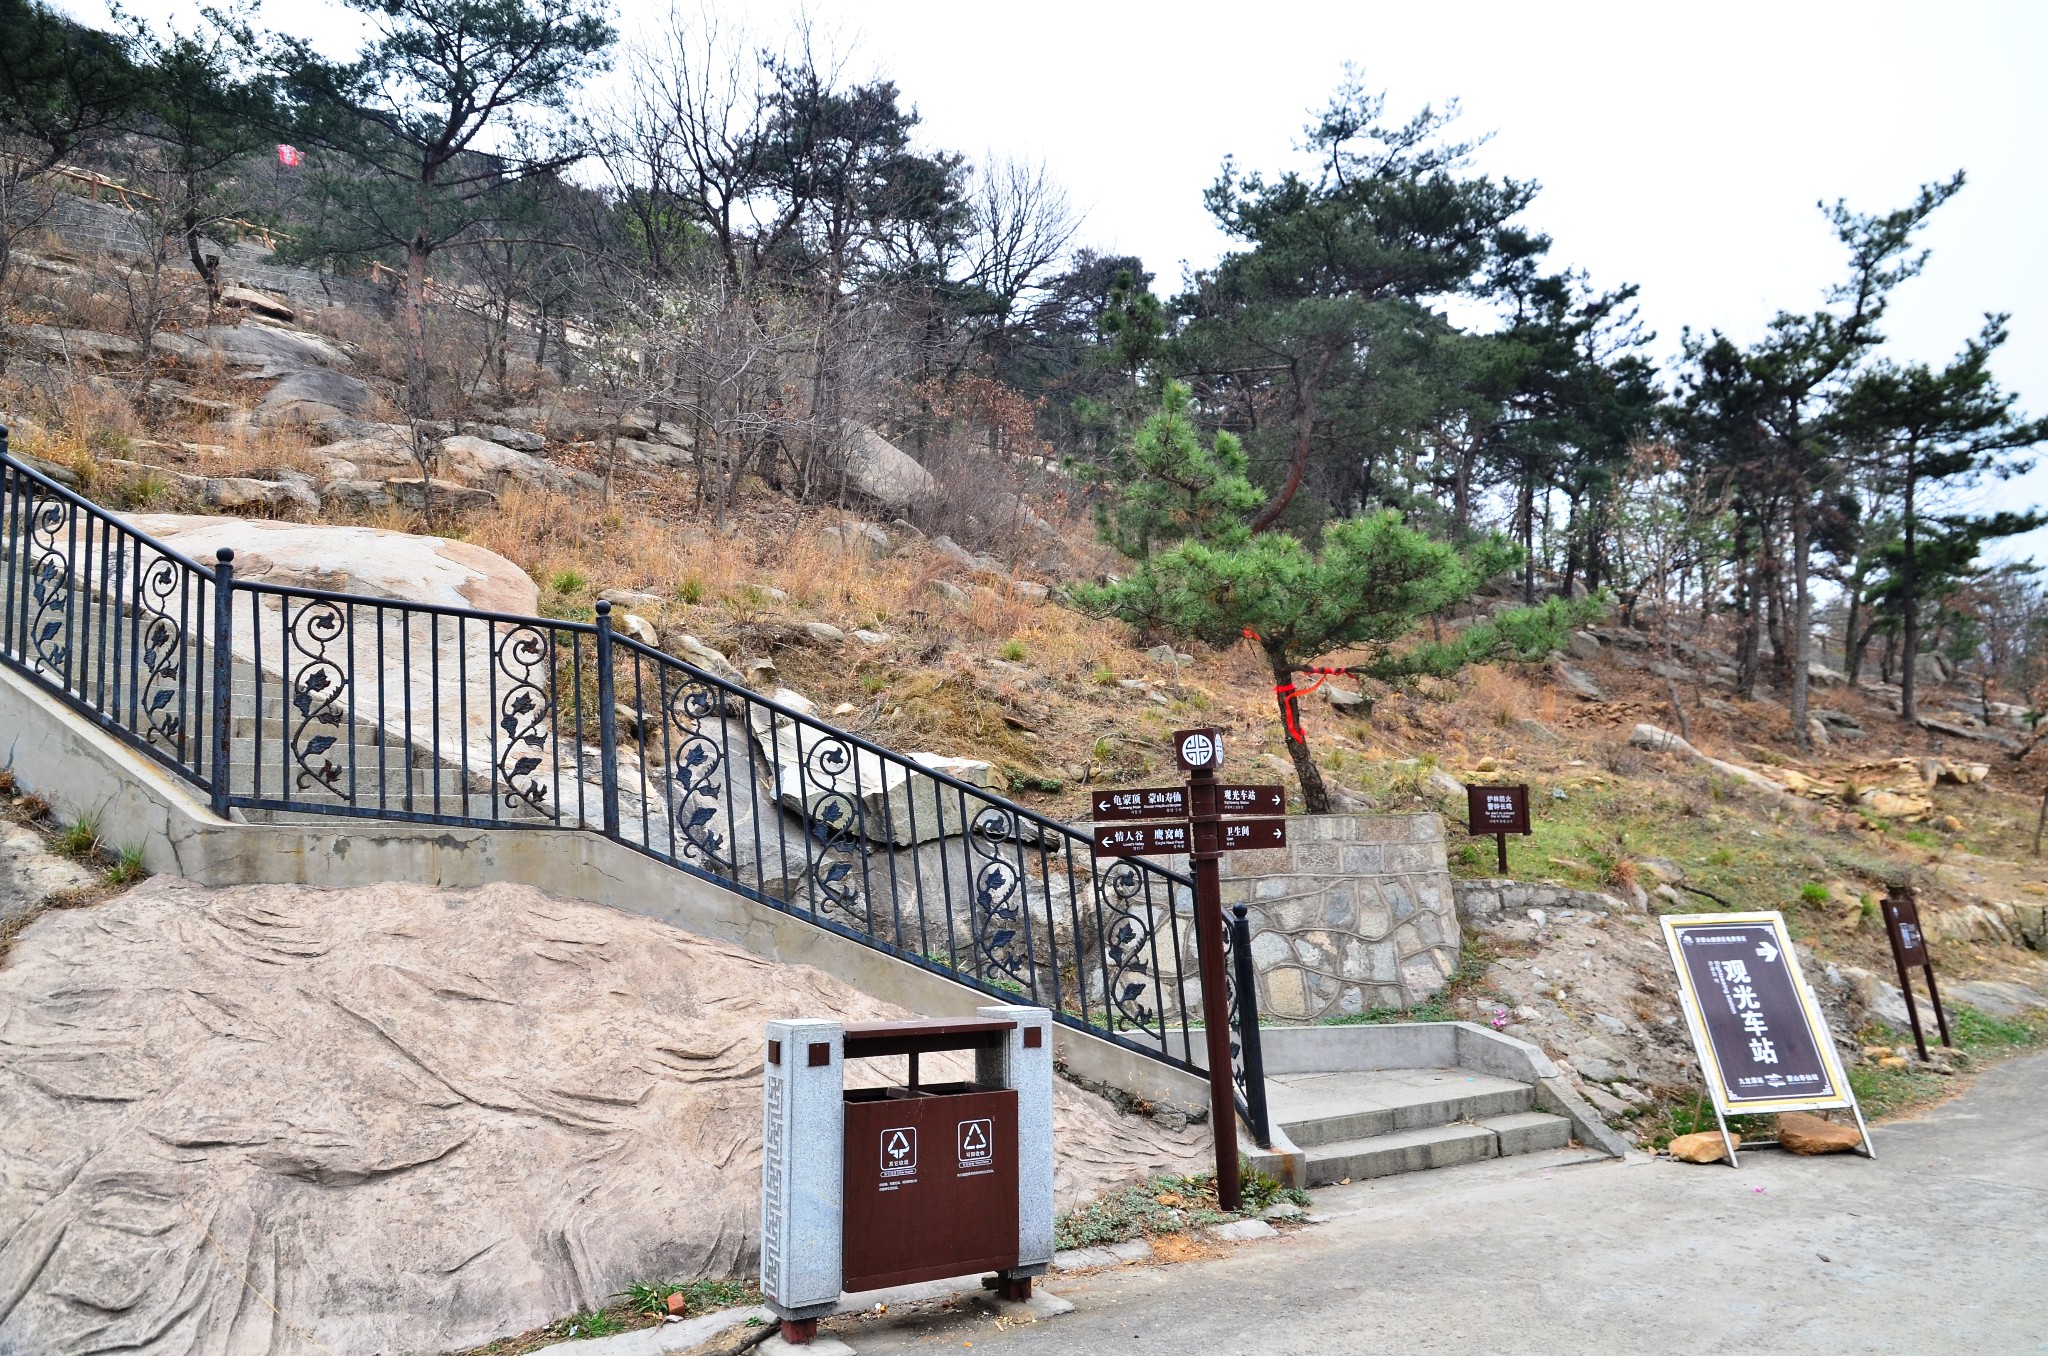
x=1899 y=948
x=1502 y=839
x=1940 y=1017
x=1210 y=942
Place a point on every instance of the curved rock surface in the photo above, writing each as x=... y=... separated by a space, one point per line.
x=393 y=1118
x=365 y=560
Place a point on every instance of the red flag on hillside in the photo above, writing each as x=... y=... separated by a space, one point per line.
x=288 y=155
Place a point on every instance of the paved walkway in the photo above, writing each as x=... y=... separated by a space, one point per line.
x=1940 y=1245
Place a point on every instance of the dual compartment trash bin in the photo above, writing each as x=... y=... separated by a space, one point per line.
x=864 y=1188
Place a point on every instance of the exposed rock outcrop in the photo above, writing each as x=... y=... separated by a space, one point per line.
x=398 y=1118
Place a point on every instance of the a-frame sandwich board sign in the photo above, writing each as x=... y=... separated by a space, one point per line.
x=1762 y=1039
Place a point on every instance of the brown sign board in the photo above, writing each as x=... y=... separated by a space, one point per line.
x=1251 y=800
x=1902 y=922
x=1762 y=1039
x=1241 y=835
x=1497 y=809
x=1141 y=840
x=930 y=1174
x=1145 y=802
x=1199 y=750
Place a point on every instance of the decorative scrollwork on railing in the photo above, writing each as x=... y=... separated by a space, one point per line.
x=1127 y=946
x=696 y=763
x=1236 y=1018
x=1000 y=896
x=525 y=715
x=319 y=690
x=835 y=818
x=49 y=588
x=160 y=658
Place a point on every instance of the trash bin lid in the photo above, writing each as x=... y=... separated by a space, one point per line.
x=872 y=1040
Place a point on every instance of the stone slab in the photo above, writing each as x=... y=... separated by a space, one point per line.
x=1326 y=1108
x=1437 y=1146
x=666 y=1339
x=824 y=1344
x=1243 y=1231
x=1527 y=1132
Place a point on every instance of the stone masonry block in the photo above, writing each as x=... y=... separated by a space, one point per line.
x=1363 y=860
x=1318 y=857
x=1407 y=859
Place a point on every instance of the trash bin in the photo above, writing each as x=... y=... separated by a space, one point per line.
x=863 y=1188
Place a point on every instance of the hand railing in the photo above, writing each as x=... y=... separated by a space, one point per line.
x=295 y=700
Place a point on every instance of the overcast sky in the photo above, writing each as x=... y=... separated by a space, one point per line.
x=1679 y=148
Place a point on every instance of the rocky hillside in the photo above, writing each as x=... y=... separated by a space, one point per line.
x=1654 y=780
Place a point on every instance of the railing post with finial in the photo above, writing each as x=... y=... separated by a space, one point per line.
x=607 y=721
x=223 y=676
x=1249 y=1053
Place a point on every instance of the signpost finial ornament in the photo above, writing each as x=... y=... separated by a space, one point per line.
x=1199 y=750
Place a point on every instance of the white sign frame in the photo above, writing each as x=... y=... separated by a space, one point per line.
x=1816 y=1027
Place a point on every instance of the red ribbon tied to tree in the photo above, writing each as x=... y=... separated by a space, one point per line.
x=1288 y=692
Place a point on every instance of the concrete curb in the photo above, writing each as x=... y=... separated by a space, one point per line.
x=668 y=1339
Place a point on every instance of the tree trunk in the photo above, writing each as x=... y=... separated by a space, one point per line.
x=413 y=316
x=1852 y=648
x=1747 y=642
x=1315 y=797
x=1909 y=600
x=1802 y=622
x=1304 y=430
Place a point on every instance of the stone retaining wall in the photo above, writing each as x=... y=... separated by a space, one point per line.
x=1483 y=902
x=1356 y=912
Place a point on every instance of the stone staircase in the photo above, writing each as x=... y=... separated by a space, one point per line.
x=1352 y=1103
x=1356 y=1125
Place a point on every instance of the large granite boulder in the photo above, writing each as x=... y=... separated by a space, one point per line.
x=363 y=560
x=397 y=1118
x=830 y=780
x=274 y=350
x=315 y=395
x=884 y=472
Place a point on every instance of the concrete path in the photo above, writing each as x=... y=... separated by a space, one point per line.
x=1940 y=1245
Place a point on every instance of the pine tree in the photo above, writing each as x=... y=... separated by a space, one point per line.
x=1205 y=574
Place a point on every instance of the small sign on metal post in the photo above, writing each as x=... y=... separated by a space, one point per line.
x=1901 y=911
x=1762 y=1040
x=1500 y=811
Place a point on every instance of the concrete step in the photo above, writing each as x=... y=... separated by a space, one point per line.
x=1330 y=1108
x=1433 y=1146
x=1529 y=1132
x=1436 y=1146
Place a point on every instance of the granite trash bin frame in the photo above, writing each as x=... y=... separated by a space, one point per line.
x=803 y=1210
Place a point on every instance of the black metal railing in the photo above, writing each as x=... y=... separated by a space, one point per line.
x=288 y=700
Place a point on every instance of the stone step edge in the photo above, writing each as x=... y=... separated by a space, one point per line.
x=1444 y=1111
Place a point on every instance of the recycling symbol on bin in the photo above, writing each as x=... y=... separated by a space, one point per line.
x=899 y=1151
x=975 y=1150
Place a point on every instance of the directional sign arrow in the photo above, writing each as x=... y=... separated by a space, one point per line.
x=1139 y=840
x=1767 y=951
x=1251 y=800
x=1240 y=835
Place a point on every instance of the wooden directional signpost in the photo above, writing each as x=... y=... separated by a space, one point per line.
x=1199 y=820
x=1909 y=948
